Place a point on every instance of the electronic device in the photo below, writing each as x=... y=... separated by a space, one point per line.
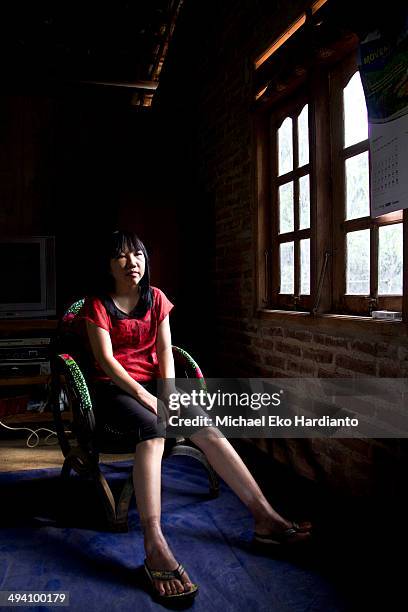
x=18 y=369
x=387 y=315
x=24 y=349
x=24 y=357
x=27 y=277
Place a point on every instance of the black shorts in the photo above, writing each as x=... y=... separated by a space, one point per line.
x=119 y=411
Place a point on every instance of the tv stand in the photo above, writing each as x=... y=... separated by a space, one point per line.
x=10 y=327
x=26 y=328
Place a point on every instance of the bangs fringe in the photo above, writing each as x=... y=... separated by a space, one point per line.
x=123 y=241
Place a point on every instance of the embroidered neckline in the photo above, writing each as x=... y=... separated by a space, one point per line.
x=120 y=314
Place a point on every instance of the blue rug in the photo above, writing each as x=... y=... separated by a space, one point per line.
x=43 y=548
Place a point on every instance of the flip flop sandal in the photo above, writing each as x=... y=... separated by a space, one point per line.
x=277 y=539
x=169 y=575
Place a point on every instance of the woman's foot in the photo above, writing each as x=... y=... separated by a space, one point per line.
x=273 y=525
x=160 y=557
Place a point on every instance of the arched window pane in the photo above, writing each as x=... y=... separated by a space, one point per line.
x=285 y=147
x=355 y=112
x=303 y=136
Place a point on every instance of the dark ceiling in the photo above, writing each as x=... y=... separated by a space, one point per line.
x=116 y=41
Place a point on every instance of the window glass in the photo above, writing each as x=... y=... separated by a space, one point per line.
x=355 y=112
x=286 y=217
x=287 y=268
x=304 y=202
x=358 y=263
x=357 y=186
x=305 y=267
x=303 y=136
x=390 y=260
x=285 y=147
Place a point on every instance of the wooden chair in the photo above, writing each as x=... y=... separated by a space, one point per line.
x=82 y=448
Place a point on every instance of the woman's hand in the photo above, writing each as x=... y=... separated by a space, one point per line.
x=170 y=397
x=158 y=405
x=149 y=401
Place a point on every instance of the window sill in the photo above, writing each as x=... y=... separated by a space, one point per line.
x=334 y=322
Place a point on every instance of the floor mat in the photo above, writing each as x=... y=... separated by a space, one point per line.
x=52 y=540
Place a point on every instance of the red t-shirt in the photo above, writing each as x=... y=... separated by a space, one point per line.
x=133 y=339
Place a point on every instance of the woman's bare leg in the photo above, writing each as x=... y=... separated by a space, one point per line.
x=147 y=484
x=229 y=465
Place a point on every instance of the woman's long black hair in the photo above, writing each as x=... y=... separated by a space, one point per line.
x=118 y=242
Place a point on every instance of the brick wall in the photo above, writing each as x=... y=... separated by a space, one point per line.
x=280 y=351
x=212 y=58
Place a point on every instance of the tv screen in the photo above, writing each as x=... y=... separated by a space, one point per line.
x=21 y=277
x=27 y=277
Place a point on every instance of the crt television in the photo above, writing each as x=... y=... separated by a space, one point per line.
x=27 y=277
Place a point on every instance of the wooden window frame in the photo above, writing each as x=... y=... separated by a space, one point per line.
x=342 y=302
x=281 y=300
x=319 y=87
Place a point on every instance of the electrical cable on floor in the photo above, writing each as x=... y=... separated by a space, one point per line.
x=33 y=433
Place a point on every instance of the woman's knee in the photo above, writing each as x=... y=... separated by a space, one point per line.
x=206 y=436
x=152 y=444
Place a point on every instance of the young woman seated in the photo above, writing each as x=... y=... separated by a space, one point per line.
x=129 y=333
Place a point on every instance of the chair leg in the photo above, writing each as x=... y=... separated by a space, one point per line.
x=66 y=469
x=122 y=507
x=108 y=500
x=190 y=451
x=83 y=465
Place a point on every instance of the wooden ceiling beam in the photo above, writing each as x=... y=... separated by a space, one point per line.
x=140 y=85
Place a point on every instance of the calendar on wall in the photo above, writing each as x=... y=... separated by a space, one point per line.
x=389 y=166
x=383 y=64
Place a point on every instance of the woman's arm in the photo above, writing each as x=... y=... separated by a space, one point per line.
x=165 y=358
x=101 y=345
x=164 y=350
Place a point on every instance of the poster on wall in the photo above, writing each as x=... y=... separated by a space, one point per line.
x=383 y=64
